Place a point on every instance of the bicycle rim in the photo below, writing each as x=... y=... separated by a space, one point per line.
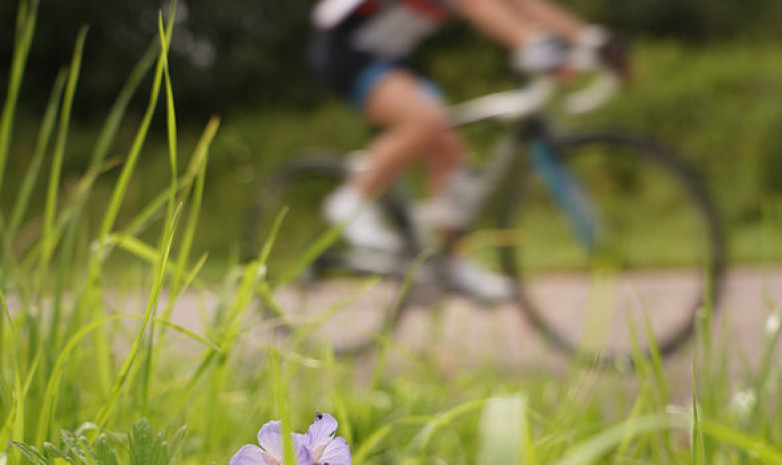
x=656 y=256
x=320 y=294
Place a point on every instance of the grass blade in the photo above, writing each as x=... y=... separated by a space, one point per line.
x=48 y=243
x=754 y=446
x=421 y=441
x=282 y=406
x=697 y=436
x=198 y=165
x=121 y=186
x=337 y=399
x=772 y=334
x=25 y=192
x=26 y=20
x=49 y=400
x=595 y=448
x=123 y=376
x=504 y=433
x=70 y=216
x=165 y=38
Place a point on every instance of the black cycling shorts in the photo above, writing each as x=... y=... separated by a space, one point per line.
x=351 y=73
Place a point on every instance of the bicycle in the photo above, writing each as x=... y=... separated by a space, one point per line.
x=619 y=220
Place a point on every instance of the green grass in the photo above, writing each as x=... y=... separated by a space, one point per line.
x=88 y=345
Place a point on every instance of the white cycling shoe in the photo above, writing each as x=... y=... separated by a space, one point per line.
x=363 y=220
x=366 y=228
x=471 y=278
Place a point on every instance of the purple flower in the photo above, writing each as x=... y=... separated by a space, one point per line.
x=318 y=447
x=326 y=449
x=270 y=452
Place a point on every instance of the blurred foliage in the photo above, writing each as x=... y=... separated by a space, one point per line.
x=717 y=104
x=240 y=53
x=224 y=53
x=691 y=20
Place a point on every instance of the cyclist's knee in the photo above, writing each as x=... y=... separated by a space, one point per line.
x=448 y=146
x=430 y=124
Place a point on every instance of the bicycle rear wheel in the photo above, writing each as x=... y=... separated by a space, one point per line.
x=323 y=291
x=631 y=266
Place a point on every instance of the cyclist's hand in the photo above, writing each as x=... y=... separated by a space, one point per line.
x=595 y=48
x=615 y=55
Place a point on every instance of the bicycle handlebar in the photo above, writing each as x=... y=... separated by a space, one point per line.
x=516 y=104
x=603 y=86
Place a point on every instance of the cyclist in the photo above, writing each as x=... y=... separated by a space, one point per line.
x=360 y=51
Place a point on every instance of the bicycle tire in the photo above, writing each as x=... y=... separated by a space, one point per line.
x=259 y=212
x=323 y=297
x=658 y=195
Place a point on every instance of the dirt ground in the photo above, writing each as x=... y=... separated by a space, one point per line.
x=462 y=335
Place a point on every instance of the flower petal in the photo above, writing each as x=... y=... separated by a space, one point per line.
x=336 y=452
x=303 y=454
x=321 y=432
x=248 y=455
x=270 y=439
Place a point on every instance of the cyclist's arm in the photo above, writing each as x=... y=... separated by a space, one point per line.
x=553 y=18
x=500 y=20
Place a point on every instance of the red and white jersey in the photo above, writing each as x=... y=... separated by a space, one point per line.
x=386 y=28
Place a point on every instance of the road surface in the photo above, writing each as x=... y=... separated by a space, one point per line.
x=462 y=334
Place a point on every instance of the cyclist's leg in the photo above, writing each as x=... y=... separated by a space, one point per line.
x=415 y=126
x=444 y=158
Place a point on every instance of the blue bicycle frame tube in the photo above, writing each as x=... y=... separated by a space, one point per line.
x=567 y=192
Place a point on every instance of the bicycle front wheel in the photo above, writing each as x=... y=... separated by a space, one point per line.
x=618 y=247
x=323 y=291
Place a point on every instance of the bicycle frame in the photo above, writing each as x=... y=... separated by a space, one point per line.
x=529 y=131
x=503 y=164
x=530 y=128
x=532 y=137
